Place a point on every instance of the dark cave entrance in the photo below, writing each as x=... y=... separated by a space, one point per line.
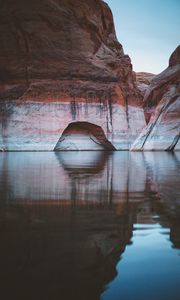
x=83 y=136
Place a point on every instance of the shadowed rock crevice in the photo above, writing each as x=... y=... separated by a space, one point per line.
x=174 y=143
x=83 y=136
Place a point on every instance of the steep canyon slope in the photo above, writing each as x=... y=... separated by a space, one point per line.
x=60 y=62
x=162 y=106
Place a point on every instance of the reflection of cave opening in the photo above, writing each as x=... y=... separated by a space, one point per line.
x=83 y=136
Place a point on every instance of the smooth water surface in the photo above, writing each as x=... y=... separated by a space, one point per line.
x=90 y=226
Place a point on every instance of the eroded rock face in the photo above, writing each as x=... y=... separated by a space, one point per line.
x=143 y=80
x=83 y=136
x=162 y=107
x=60 y=62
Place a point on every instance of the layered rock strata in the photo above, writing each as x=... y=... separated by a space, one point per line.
x=60 y=62
x=143 y=80
x=162 y=107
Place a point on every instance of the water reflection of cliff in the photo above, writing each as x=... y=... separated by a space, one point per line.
x=95 y=177
x=66 y=218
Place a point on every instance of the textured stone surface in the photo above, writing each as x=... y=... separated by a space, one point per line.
x=162 y=106
x=143 y=80
x=60 y=62
x=39 y=125
x=83 y=136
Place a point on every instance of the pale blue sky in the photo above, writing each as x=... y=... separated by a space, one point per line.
x=149 y=31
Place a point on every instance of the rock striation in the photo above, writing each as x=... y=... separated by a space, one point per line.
x=162 y=108
x=143 y=80
x=83 y=136
x=60 y=62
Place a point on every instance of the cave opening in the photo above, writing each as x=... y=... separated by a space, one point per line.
x=83 y=136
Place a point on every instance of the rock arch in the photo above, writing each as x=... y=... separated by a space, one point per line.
x=83 y=136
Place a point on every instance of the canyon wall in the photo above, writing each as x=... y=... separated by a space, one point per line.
x=60 y=62
x=162 y=110
x=143 y=80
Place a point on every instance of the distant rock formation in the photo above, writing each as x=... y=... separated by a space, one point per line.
x=143 y=80
x=60 y=63
x=162 y=107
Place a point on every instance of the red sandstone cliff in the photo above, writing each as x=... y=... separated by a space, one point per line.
x=62 y=49
x=143 y=80
x=60 y=62
x=162 y=107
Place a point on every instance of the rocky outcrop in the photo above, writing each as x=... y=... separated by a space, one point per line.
x=60 y=62
x=162 y=107
x=143 y=80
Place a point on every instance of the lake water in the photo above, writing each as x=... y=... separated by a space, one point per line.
x=90 y=226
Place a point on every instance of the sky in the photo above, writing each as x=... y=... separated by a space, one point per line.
x=149 y=31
